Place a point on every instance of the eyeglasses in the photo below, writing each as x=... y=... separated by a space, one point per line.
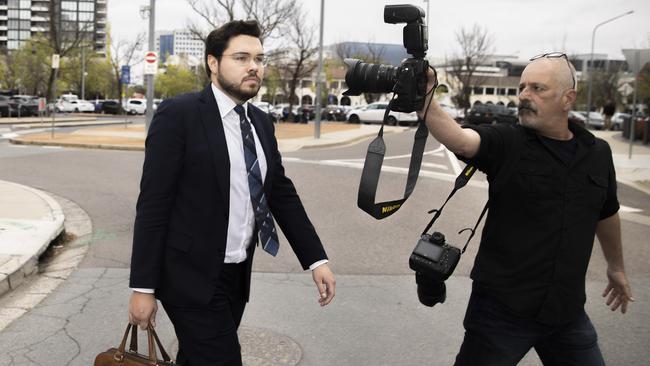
x=557 y=55
x=243 y=59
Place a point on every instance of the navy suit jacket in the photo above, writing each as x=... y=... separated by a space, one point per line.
x=181 y=222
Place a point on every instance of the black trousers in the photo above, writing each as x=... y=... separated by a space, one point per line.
x=495 y=337
x=207 y=335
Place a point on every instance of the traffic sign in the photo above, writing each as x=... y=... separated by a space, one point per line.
x=150 y=63
x=55 y=61
x=125 y=77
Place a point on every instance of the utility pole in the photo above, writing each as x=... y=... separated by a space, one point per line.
x=150 y=77
x=591 y=60
x=319 y=81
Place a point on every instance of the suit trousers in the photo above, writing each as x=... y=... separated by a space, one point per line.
x=207 y=335
x=496 y=337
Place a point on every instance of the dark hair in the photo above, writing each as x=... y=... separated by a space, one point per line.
x=219 y=38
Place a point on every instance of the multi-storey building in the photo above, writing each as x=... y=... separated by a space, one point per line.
x=179 y=42
x=22 y=19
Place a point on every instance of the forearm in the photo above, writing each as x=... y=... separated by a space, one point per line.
x=609 y=234
x=461 y=141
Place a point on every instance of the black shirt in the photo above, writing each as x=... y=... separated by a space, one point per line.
x=540 y=228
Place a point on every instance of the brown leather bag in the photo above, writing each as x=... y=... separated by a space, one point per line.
x=120 y=357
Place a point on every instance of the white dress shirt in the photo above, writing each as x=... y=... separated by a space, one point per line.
x=241 y=219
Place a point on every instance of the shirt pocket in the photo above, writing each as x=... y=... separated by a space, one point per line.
x=592 y=191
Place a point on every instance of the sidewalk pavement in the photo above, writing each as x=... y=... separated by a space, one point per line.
x=30 y=219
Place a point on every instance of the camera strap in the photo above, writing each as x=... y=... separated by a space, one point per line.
x=461 y=181
x=372 y=170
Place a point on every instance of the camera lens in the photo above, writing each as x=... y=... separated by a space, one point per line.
x=364 y=77
x=430 y=291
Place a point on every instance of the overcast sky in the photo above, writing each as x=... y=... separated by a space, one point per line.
x=522 y=28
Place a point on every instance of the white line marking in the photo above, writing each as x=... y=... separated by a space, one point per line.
x=630 y=209
x=453 y=160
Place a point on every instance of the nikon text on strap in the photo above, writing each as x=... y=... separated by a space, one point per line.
x=372 y=169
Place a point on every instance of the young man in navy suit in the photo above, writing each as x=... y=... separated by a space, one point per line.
x=212 y=183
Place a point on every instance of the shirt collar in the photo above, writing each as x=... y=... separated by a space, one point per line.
x=224 y=103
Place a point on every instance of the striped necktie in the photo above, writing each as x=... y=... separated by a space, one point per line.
x=263 y=218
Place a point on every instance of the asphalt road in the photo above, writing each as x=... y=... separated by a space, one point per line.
x=365 y=253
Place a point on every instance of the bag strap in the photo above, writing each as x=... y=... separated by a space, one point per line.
x=152 y=340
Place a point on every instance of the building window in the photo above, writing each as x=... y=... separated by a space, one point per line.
x=501 y=91
x=69 y=5
x=86 y=17
x=25 y=34
x=512 y=91
x=489 y=91
x=13 y=14
x=25 y=14
x=13 y=4
x=87 y=7
x=68 y=15
x=25 y=4
x=477 y=90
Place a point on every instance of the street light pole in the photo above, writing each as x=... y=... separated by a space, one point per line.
x=152 y=17
x=319 y=81
x=591 y=59
x=83 y=73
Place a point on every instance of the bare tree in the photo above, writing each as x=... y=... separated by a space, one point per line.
x=124 y=53
x=297 y=60
x=372 y=54
x=270 y=14
x=475 y=46
x=63 y=37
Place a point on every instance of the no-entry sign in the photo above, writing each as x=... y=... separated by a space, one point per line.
x=150 y=63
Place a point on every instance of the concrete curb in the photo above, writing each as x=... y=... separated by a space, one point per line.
x=58 y=123
x=21 y=265
x=53 y=271
x=76 y=145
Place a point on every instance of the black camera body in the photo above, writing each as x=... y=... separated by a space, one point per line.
x=409 y=80
x=434 y=258
x=433 y=261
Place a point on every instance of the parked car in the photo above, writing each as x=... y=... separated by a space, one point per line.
x=452 y=112
x=596 y=120
x=156 y=103
x=491 y=113
x=374 y=113
x=110 y=106
x=74 y=105
x=5 y=106
x=281 y=111
x=577 y=118
x=135 y=106
x=618 y=119
x=267 y=108
x=333 y=112
x=23 y=105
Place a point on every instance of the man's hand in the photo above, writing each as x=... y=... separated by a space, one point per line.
x=618 y=290
x=142 y=309
x=325 y=282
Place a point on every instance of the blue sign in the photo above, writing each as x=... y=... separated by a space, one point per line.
x=126 y=74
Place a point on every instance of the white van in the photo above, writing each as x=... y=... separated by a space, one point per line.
x=135 y=106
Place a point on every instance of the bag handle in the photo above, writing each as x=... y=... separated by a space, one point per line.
x=152 y=340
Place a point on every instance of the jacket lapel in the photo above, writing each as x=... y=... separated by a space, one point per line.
x=213 y=125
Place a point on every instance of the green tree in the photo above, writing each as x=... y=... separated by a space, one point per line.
x=100 y=81
x=603 y=88
x=175 y=80
x=27 y=68
x=643 y=86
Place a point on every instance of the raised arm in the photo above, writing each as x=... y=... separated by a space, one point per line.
x=461 y=141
